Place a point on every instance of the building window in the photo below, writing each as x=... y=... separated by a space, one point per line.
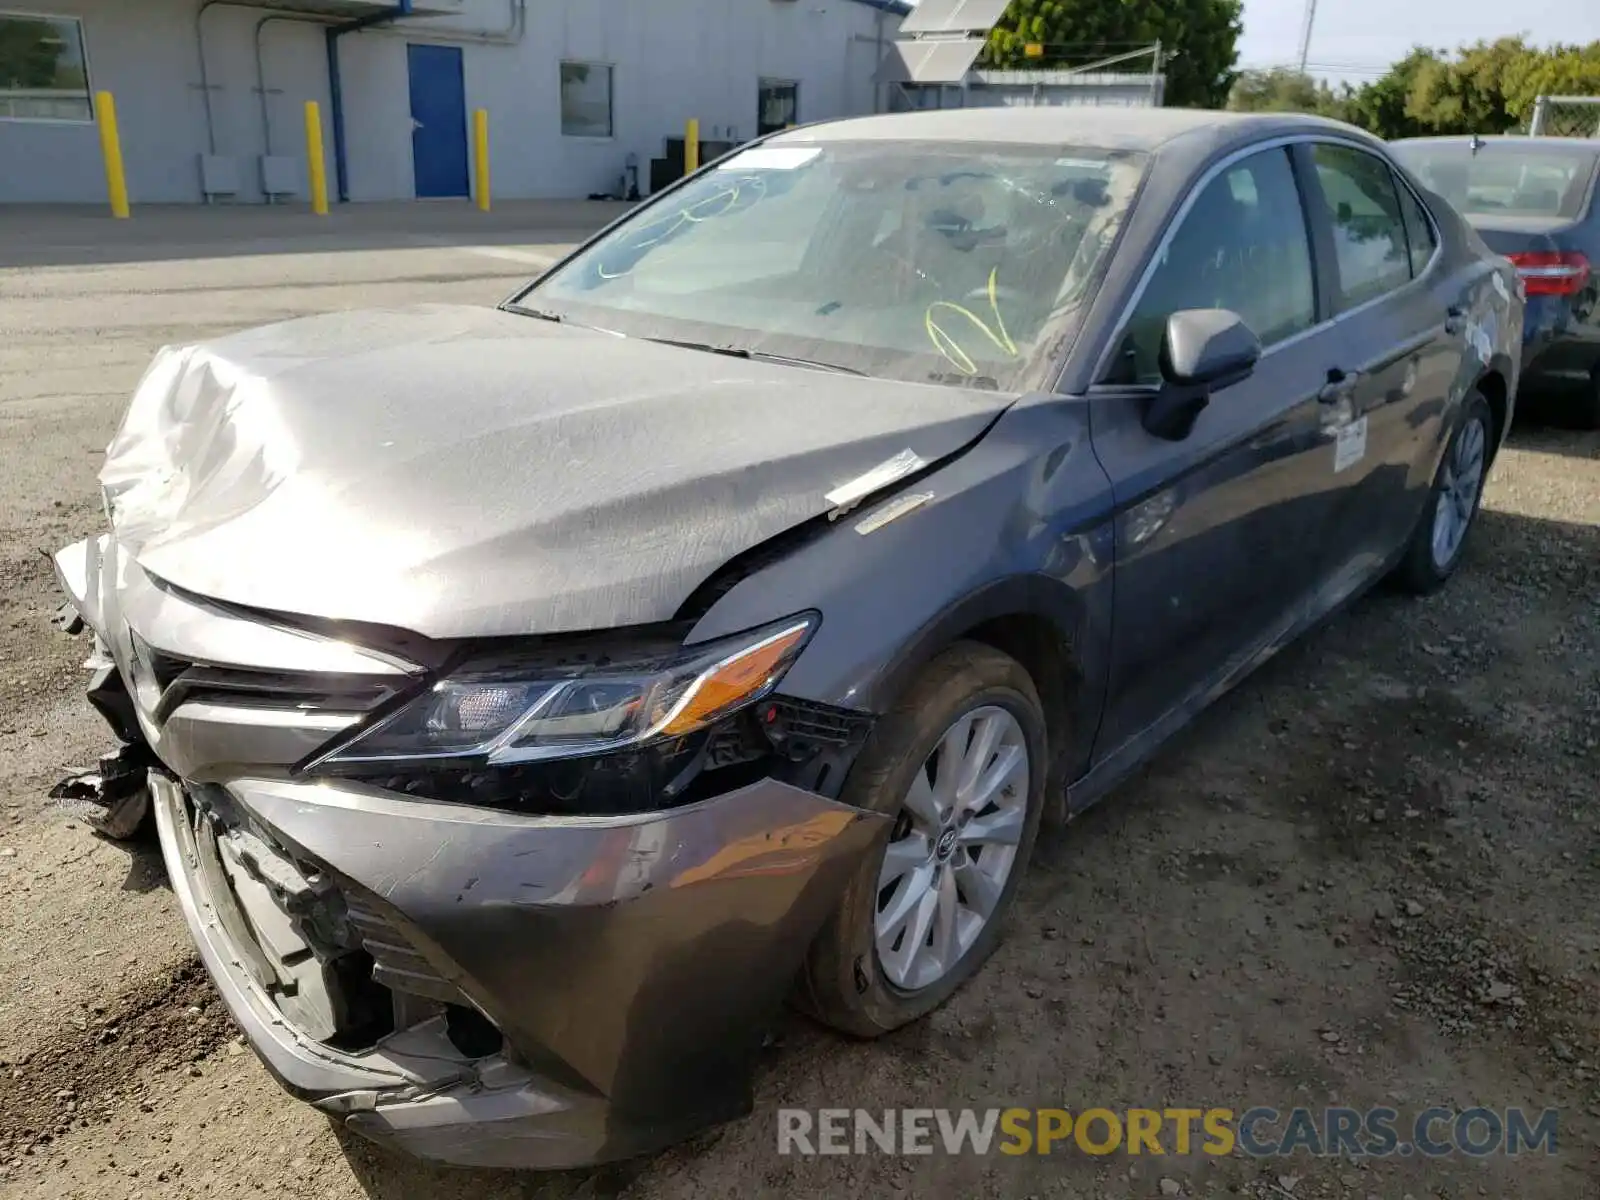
x=43 y=76
x=778 y=107
x=585 y=100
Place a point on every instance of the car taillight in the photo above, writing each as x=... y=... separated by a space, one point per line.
x=1551 y=272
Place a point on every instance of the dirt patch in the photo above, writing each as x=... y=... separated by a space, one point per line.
x=95 y=1067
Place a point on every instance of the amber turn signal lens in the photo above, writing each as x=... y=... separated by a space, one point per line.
x=735 y=680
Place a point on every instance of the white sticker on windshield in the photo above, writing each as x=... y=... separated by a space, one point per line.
x=1087 y=164
x=1350 y=445
x=772 y=158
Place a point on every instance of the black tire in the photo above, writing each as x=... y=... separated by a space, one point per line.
x=1420 y=571
x=842 y=983
x=1588 y=411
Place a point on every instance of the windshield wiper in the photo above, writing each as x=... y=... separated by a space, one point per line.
x=556 y=318
x=541 y=314
x=745 y=352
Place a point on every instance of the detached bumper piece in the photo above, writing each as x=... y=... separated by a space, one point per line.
x=498 y=990
x=118 y=790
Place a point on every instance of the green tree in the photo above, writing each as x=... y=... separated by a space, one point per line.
x=1560 y=71
x=1488 y=88
x=1202 y=36
x=1466 y=94
x=1380 y=107
x=1280 y=89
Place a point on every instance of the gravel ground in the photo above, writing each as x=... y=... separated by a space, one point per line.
x=1365 y=877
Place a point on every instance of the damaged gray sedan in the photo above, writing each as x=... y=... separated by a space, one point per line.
x=530 y=700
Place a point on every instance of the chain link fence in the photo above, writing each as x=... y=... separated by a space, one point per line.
x=1030 y=89
x=1566 y=116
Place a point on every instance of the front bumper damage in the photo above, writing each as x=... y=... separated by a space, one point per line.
x=555 y=991
x=633 y=966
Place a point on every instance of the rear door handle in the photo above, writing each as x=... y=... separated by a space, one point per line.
x=1455 y=319
x=1340 y=385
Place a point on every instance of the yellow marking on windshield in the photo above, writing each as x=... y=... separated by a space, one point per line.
x=693 y=214
x=947 y=344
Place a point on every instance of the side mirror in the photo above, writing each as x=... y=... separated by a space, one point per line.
x=1204 y=350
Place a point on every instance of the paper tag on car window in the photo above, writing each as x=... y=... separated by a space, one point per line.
x=1350 y=445
x=771 y=158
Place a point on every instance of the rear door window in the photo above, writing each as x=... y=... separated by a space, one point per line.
x=1419 y=231
x=1369 y=229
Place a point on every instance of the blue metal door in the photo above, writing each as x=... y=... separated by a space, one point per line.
x=438 y=120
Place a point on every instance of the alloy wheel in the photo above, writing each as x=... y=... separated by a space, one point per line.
x=953 y=847
x=1459 y=485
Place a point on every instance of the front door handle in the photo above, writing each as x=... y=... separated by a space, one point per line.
x=1340 y=386
x=1455 y=319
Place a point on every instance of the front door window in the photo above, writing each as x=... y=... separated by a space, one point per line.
x=1244 y=247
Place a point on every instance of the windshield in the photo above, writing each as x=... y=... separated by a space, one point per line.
x=932 y=262
x=1509 y=179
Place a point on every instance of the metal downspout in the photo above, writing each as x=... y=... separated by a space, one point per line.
x=261 y=70
x=401 y=9
x=341 y=173
x=205 y=78
x=876 y=41
x=341 y=168
x=877 y=88
x=516 y=28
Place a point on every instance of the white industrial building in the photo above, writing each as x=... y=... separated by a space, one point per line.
x=210 y=94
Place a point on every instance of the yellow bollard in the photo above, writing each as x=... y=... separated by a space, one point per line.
x=691 y=147
x=105 y=109
x=480 y=149
x=317 y=168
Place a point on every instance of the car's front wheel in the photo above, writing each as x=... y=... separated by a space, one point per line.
x=959 y=766
x=1441 y=533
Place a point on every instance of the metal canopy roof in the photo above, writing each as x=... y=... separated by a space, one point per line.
x=356 y=10
x=940 y=40
x=942 y=60
x=954 y=16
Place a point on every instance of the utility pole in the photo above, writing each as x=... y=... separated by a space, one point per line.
x=1305 y=34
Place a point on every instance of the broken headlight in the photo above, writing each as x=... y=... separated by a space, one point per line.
x=503 y=716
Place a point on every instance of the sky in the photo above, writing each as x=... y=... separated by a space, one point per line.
x=1357 y=39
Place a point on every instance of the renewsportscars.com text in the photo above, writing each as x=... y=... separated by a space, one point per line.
x=1258 y=1132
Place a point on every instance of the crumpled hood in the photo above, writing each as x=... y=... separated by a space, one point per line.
x=458 y=471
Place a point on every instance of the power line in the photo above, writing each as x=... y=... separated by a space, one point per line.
x=1313 y=67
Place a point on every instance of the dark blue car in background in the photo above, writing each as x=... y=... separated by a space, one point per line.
x=1535 y=200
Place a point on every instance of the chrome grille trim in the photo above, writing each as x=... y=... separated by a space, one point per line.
x=303 y=692
x=193 y=630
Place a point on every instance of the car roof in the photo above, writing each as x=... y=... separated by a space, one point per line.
x=1065 y=125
